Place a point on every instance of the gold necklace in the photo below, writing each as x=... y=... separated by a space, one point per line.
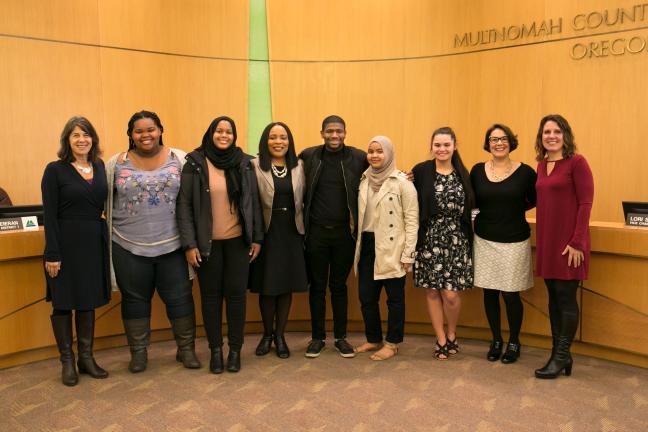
x=494 y=174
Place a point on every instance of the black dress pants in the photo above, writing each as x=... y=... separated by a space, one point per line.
x=329 y=254
x=224 y=275
x=370 y=289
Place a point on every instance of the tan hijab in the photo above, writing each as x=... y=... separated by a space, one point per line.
x=376 y=177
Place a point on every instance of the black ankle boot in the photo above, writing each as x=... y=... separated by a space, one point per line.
x=495 y=351
x=184 y=331
x=560 y=361
x=85 y=323
x=234 y=361
x=512 y=353
x=282 y=348
x=264 y=346
x=62 y=327
x=216 y=361
x=138 y=333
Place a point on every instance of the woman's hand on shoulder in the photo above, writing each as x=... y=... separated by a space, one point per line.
x=193 y=257
x=574 y=256
x=52 y=268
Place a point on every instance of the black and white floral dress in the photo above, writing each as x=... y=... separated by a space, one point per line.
x=444 y=260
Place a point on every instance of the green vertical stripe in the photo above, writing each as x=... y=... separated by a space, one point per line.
x=259 y=98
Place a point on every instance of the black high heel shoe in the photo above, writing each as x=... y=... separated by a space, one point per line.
x=234 y=361
x=264 y=346
x=512 y=353
x=216 y=361
x=282 y=348
x=495 y=351
x=560 y=361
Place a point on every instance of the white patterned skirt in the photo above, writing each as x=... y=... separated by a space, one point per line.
x=503 y=266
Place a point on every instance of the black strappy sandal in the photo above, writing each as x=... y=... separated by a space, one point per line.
x=452 y=346
x=441 y=351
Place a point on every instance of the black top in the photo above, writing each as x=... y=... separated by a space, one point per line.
x=502 y=204
x=329 y=200
x=283 y=195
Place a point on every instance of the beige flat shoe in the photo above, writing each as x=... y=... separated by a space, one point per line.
x=388 y=351
x=366 y=347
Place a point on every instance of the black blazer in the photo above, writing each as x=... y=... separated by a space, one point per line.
x=424 y=178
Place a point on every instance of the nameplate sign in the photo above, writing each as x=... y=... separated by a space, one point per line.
x=27 y=223
x=637 y=219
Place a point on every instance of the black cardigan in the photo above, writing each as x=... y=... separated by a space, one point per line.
x=424 y=178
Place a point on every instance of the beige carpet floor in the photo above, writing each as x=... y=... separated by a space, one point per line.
x=411 y=392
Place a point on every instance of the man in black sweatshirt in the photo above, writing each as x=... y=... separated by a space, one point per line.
x=333 y=172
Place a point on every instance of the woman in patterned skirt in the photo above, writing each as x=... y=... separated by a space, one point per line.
x=444 y=252
x=504 y=191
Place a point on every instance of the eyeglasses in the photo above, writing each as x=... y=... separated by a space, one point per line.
x=495 y=140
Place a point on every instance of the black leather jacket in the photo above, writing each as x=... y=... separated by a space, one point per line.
x=194 y=212
x=354 y=163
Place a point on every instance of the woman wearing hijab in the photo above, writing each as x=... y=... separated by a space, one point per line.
x=388 y=221
x=221 y=231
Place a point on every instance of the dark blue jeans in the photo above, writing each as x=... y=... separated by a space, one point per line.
x=138 y=277
x=370 y=289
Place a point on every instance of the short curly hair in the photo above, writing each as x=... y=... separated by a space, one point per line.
x=512 y=138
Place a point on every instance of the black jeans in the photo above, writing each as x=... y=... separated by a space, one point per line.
x=224 y=275
x=138 y=277
x=370 y=289
x=329 y=254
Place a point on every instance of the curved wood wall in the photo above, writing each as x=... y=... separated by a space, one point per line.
x=388 y=67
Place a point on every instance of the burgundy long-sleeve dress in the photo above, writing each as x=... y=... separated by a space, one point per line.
x=562 y=217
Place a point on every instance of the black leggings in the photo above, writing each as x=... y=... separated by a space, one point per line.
x=514 y=313
x=224 y=276
x=563 y=307
x=275 y=307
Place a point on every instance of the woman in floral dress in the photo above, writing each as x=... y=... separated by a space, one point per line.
x=443 y=263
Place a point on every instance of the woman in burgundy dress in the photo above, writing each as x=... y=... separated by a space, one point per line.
x=565 y=190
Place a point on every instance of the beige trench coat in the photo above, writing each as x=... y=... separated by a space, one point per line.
x=396 y=222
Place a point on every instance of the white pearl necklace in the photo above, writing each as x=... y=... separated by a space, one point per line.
x=279 y=172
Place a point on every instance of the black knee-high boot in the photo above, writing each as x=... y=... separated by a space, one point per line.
x=85 y=324
x=62 y=327
x=567 y=321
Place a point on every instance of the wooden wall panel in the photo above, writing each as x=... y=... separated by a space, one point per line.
x=186 y=93
x=67 y=20
x=213 y=28
x=42 y=85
